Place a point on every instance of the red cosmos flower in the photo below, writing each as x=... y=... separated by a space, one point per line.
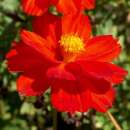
x=63 y=54
x=38 y=7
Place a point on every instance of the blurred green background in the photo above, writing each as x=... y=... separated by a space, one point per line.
x=36 y=113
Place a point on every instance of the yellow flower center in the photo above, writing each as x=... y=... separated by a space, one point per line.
x=71 y=44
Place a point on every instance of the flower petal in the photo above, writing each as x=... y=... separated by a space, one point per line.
x=87 y=80
x=32 y=84
x=105 y=70
x=45 y=4
x=48 y=26
x=60 y=72
x=101 y=48
x=80 y=101
x=80 y=27
x=88 y=4
x=67 y=97
x=38 y=7
x=31 y=8
x=22 y=58
x=74 y=6
x=102 y=102
x=66 y=7
x=38 y=43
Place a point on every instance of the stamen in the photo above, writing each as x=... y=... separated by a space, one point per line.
x=71 y=44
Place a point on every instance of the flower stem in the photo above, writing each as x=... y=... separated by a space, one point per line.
x=113 y=120
x=54 y=119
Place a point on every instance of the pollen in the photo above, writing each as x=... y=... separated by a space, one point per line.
x=71 y=44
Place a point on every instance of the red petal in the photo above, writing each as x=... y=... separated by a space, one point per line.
x=102 y=102
x=95 y=84
x=67 y=97
x=23 y=58
x=85 y=79
x=88 y=4
x=105 y=70
x=48 y=26
x=38 y=7
x=101 y=48
x=38 y=43
x=66 y=7
x=59 y=72
x=31 y=8
x=32 y=84
x=74 y=6
x=76 y=100
x=45 y=4
x=78 y=25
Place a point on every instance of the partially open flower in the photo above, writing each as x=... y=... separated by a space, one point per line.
x=63 y=55
x=39 y=7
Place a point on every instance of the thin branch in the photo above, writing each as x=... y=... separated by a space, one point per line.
x=113 y=120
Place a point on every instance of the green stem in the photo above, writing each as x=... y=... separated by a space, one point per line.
x=54 y=119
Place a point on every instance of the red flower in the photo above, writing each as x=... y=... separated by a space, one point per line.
x=38 y=7
x=66 y=57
